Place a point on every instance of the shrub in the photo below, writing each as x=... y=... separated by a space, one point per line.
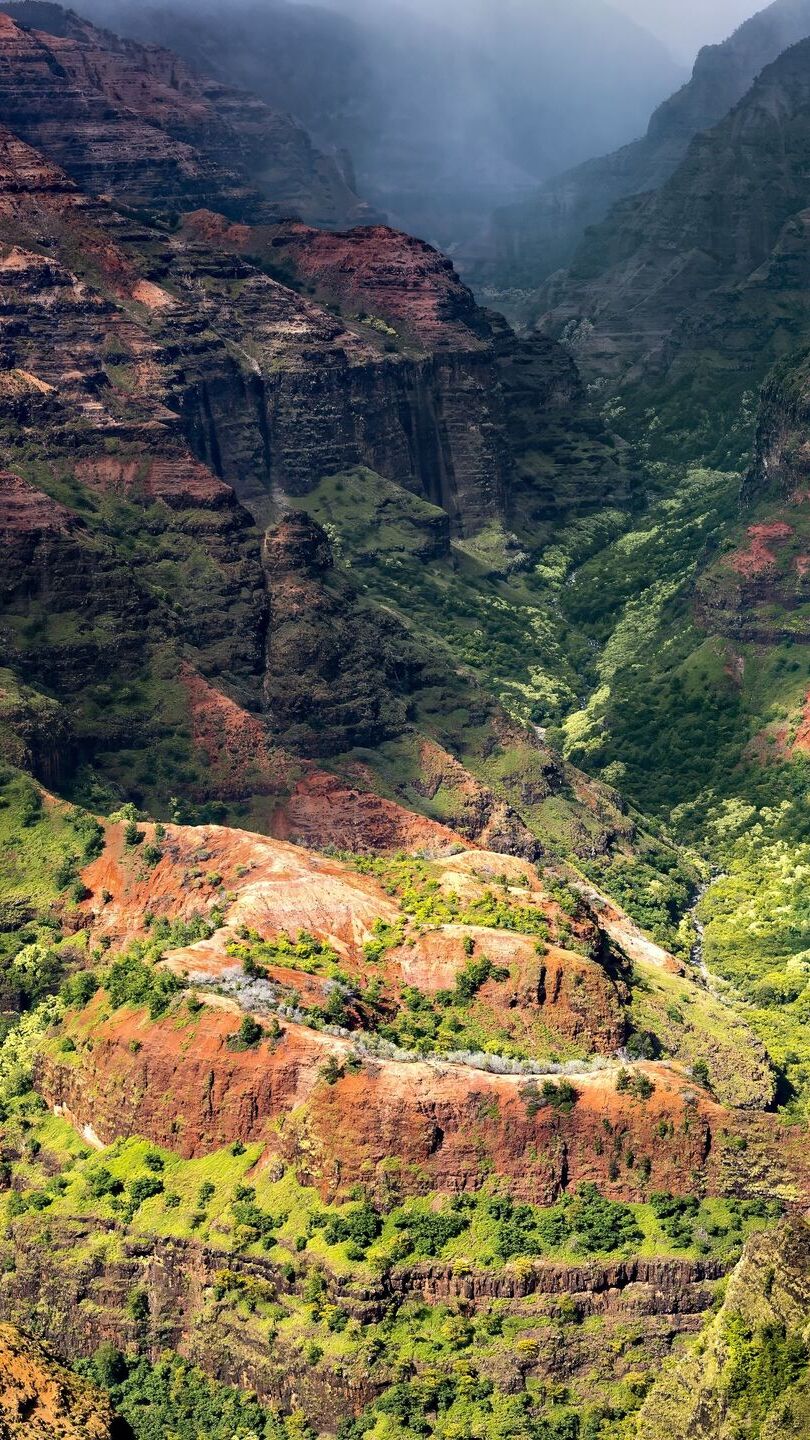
x=643 y=1045
x=428 y=1234
x=560 y=1095
x=144 y=1188
x=101 y=1182
x=361 y=1227
x=249 y=1034
x=138 y=1306
x=331 y=1071
x=601 y=1224
x=132 y=982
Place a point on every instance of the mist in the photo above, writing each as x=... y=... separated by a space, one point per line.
x=446 y=110
x=686 y=25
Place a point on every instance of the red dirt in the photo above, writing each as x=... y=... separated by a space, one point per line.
x=324 y=811
x=178 y=480
x=275 y=888
x=25 y=510
x=448 y=1126
x=760 y=555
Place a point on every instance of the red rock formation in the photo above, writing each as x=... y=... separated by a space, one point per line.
x=447 y=1125
x=380 y=273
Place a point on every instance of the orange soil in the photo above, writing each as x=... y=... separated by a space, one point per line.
x=760 y=554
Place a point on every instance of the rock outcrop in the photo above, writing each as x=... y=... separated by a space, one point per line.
x=449 y=1120
x=664 y=1301
x=133 y=122
x=750 y=1368
x=41 y=1400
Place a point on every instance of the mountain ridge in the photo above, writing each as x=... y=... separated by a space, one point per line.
x=540 y=236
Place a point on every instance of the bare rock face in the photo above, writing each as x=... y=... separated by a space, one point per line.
x=450 y=1125
x=41 y=1400
x=383 y=273
x=491 y=426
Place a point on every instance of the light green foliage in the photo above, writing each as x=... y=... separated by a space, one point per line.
x=757 y=933
x=18 y=1049
x=306 y=953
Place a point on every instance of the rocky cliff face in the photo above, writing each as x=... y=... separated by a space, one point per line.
x=183 y=1281
x=758 y=590
x=537 y=452
x=749 y=1372
x=533 y=239
x=177 y=365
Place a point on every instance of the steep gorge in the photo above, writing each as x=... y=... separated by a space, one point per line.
x=372 y=1099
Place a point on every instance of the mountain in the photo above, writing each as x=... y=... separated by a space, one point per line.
x=403 y=842
x=86 y=85
x=180 y=368
x=682 y=298
x=442 y=119
x=537 y=236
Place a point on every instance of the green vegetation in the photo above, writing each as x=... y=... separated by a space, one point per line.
x=424 y=901
x=227 y=1201
x=173 y=1398
x=306 y=953
x=131 y=981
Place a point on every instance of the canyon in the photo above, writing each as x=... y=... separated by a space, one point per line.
x=389 y=698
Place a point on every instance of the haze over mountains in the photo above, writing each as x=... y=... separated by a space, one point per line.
x=532 y=239
x=444 y=113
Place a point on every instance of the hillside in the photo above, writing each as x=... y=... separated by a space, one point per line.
x=682 y=299
x=40 y=1399
x=403 y=938
x=124 y=119
x=442 y=120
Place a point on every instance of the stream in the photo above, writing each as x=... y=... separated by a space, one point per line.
x=696 y=955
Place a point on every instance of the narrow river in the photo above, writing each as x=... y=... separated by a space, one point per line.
x=697 y=956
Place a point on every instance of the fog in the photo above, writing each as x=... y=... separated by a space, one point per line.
x=685 y=25
x=682 y=25
x=448 y=108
